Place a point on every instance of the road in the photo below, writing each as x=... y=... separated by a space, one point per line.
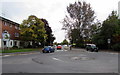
x=62 y=61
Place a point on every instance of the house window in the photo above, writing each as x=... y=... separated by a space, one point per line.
x=5 y=23
x=10 y=25
x=5 y=31
x=15 y=43
x=11 y=43
x=19 y=28
x=4 y=43
x=15 y=27
x=16 y=34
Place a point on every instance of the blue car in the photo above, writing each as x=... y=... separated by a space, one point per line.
x=48 y=49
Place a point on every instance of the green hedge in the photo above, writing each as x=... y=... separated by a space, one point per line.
x=116 y=47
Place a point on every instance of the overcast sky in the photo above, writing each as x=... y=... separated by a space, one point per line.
x=52 y=10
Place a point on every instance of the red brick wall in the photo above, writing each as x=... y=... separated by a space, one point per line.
x=0 y=29
x=12 y=30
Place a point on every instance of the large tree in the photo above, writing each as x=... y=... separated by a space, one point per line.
x=110 y=30
x=33 y=30
x=79 y=20
x=50 y=37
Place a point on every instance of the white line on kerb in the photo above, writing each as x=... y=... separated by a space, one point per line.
x=57 y=59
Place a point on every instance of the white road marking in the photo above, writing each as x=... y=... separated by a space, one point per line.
x=60 y=50
x=57 y=59
x=6 y=56
x=113 y=53
x=16 y=54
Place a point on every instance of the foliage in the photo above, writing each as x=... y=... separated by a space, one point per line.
x=79 y=21
x=33 y=30
x=65 y=42
x=116 y=47
x=55 y=43
x=110 y=30
x=50 y=36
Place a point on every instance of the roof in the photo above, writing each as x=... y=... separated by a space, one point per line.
x=9 y=21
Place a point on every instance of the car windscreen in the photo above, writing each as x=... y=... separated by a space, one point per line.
x=93 y=46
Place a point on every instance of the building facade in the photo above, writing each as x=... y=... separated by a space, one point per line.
x=9 y=33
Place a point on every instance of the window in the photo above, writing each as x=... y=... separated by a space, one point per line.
x=19 y=28
x=16 y=27
x=5 y=23
x=11 y=43
x=15 y=43
x=10 y=25
x=5 y=31
x=4 y=43
x=16 y=34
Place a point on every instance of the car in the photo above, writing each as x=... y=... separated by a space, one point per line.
x=48 y=49
x=91 y=47
x=59 y=47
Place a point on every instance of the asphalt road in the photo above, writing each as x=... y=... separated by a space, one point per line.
x=62 y=61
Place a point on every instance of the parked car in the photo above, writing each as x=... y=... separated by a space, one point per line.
x=91 y=47
x=48 y=49
x=59 y=47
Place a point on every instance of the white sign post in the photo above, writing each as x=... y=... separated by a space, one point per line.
x=109 y=41
x=6 y=37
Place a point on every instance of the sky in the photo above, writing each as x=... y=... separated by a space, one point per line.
x=53 y=11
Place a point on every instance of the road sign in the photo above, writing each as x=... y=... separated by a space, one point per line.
x=109 y=41
x=6 y=36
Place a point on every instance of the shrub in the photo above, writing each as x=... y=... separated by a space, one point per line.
x=116 y=47
x=14 y=47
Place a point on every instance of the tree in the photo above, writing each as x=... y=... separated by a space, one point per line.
x=33 y=30
x=65 y=42
x=50 y=37
x=79 y=21
x=110 y=30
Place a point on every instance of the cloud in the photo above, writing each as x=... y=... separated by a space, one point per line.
x=52 y=10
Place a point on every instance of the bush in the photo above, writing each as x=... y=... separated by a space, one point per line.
x=116 y=47
x=14 y=47
x=80 y=45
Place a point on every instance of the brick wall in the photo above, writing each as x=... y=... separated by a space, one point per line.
x=0 y=29
x=11 y=29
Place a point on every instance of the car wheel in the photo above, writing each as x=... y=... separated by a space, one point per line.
x=43 y=51
x=96 y=51
x=92 y=50
x=87 y=49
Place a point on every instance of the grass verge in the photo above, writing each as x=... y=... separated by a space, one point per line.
x=20 y=50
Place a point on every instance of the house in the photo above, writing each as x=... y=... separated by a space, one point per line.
x=9 y=33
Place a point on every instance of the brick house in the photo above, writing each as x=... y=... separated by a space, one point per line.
x=9 y=33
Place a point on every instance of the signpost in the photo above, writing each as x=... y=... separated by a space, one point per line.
x=6 y=37
x=109 y=41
